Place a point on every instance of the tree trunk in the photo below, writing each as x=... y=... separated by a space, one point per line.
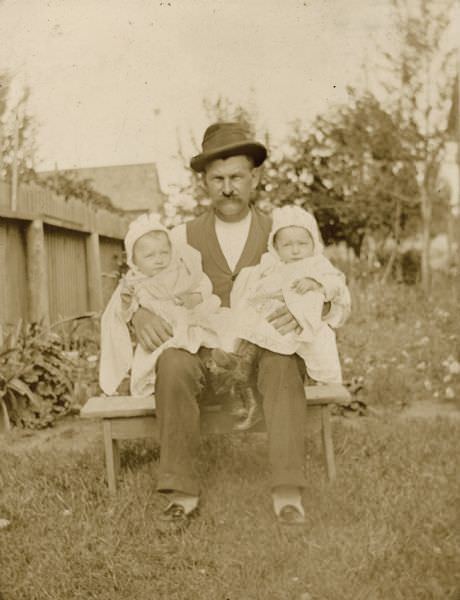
x=397 y=238
x=14 y=165
x=426 y=235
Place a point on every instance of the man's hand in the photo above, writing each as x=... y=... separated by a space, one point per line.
x=151 y=330
x=283 y=321
x=306 y=284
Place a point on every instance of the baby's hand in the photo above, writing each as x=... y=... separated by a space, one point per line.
x=190 y=300
x=306 y=284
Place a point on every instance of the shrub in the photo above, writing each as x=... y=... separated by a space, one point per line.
x=38 y=371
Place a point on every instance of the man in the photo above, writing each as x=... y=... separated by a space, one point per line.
x=230 y=236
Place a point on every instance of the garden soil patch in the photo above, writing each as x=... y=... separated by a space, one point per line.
x=432 y=409
x=68 y=434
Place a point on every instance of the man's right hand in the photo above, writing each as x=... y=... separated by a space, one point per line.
x=151 y=330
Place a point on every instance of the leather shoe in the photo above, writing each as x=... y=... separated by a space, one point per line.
x=174 y=518
x=290 y=515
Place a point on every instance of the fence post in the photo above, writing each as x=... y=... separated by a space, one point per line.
x=93 y=268
x=37 y=269
x=3 y=259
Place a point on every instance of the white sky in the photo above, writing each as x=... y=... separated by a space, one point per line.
x=116 y=81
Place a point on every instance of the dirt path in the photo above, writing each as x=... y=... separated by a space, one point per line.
x=432 y=409
x=70 y=433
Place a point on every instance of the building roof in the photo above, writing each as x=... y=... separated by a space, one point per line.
x=129 y=187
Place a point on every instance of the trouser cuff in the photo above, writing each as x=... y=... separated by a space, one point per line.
x=294 y=478
x=177 y=483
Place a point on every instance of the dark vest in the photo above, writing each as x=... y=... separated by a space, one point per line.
x=201 y=234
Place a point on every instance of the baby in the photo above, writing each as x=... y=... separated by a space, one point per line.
x=168 y=280
x=295 y=274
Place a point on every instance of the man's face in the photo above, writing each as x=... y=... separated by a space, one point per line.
x=230 y=183
x=293 y=243
x=152 y=253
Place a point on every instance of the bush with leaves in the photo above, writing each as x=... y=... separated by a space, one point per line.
x=37 y=375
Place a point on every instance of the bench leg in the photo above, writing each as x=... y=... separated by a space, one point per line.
x=328 y=447
x=112 y=456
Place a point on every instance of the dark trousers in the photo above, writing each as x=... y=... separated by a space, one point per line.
x=181 y=378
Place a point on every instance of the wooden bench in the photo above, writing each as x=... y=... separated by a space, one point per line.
x=132 y=417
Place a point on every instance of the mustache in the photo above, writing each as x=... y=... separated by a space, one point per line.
x=229 y=197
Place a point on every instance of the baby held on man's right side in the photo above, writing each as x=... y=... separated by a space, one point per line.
x=167 y=279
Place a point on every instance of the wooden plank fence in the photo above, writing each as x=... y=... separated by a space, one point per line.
x=57 y=256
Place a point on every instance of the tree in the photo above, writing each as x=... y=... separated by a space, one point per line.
x=370 y=166
x=17 y=134
x=351 y=170
x=4 y=87
x=420 y=85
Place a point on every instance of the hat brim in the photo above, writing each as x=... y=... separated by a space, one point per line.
x=255 y=150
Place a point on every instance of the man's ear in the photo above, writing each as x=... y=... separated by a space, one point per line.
x=256 y=174
x=202 y=182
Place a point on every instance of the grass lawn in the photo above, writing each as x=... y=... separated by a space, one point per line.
x=404 y=344
x=387 y=529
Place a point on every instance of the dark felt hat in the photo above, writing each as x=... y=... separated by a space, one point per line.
x=222 y=140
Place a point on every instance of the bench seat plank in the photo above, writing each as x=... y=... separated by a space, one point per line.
x=129 y=428
x=331 y=393
x=112 y=407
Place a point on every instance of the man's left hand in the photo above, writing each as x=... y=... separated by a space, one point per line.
x=283 y=321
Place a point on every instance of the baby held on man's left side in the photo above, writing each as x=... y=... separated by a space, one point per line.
x=294 y=273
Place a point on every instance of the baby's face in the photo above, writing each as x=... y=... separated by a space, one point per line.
x=152 y=253
x=293 y=243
